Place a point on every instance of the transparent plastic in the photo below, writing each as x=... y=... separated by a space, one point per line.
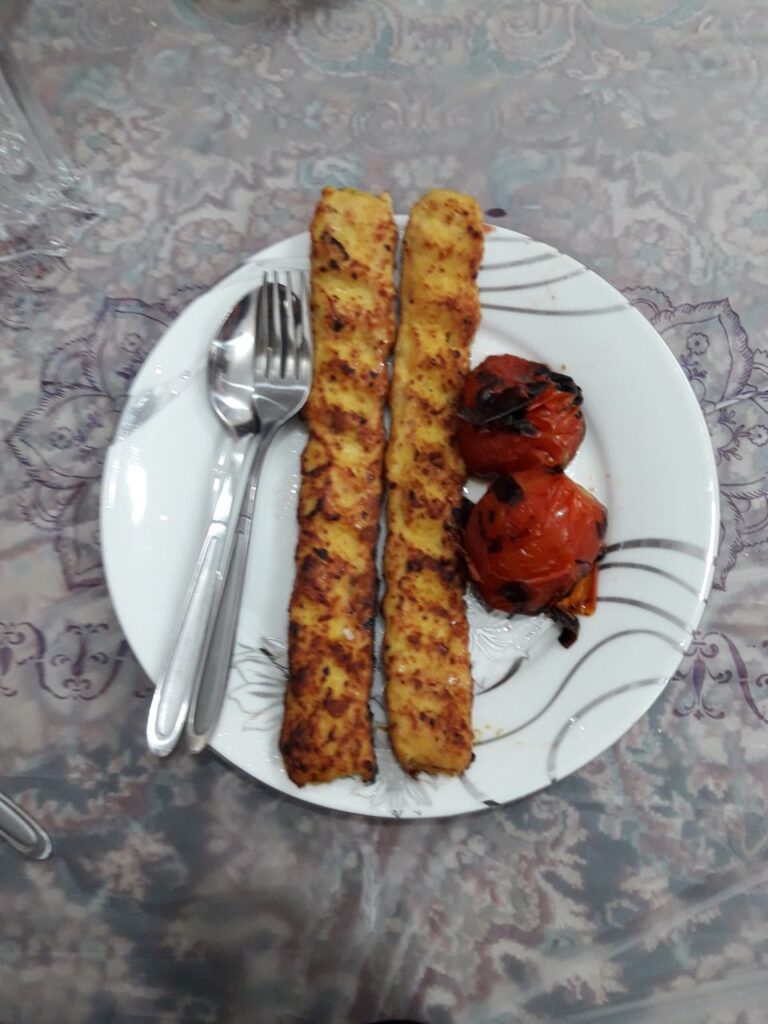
x=42 y=205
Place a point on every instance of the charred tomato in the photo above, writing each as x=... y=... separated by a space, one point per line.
x=518 y=415
x=531 y=538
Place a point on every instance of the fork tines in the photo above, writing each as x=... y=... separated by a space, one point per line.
x=283 y=337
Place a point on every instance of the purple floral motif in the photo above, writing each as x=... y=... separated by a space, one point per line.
x=80 y=662
x=761 y=683
x=61 y=442
x=714 y=658
x=77 y=666
x=730 y=380
x=21 y=645
x=28 y=285
x=698 y=673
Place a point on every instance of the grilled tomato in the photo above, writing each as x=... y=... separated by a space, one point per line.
x=518 y=415
x=531 y=538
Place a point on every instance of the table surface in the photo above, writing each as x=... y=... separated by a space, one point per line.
x=629 y=133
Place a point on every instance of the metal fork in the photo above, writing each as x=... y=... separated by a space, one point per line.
x=282 y=370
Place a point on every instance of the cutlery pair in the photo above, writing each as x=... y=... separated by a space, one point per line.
x=259 y=376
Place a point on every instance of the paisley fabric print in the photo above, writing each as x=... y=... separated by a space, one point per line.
x=629 y=134
x=21 y=653
x=730 y=380
x=78 y=662
x=60 y=442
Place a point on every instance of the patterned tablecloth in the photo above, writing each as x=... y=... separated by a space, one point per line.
x=629 y=133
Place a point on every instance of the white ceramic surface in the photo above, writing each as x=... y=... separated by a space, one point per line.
x=541 y=711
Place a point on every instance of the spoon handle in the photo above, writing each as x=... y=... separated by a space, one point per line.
x=206 y=707
x=22 y=832
x=178 y=681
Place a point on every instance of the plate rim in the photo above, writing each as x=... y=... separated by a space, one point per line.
x=303 y=795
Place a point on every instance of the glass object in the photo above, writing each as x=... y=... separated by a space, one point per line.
x=41 y=202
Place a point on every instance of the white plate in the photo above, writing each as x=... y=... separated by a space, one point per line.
x=540 y=711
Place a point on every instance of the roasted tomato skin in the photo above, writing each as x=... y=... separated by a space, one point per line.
x=518 y=415
x=531 y=538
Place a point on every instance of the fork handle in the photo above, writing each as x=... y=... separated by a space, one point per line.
x=206 y=708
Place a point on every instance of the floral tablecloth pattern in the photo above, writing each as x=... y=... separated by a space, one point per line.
x=630 y=134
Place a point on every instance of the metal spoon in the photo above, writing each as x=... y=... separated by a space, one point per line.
x=282 y=375
x=230 y=390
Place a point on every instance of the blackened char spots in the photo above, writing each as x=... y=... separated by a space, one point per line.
x=328 y=237
x=506 y=408
x=460 y=515
x=514 y=591
x=487 y=379
x=508 y=490
x=564 y=383
x=568 y=624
